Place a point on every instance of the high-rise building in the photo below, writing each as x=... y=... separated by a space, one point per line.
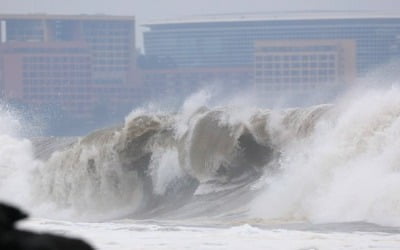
x=228 y=41
x=74 y=61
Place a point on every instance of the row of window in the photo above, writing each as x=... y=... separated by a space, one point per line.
x=111 y=47
x=112 y=55
x=110 y=62
x=57 y=74
x=93 y=26
x=52 y=82
x=80 y=92
x=296 y=79
x=108 y=81
x=303 y=86
x=110 y=69
x=295 y=65
x=200 y=78
x=56 y=96
x=56 y=59
x=50 y=50
x=316 y=48
x=115 y=41
x=296 y=72
x=320 y=71
x=56 y=67
x=314 y=57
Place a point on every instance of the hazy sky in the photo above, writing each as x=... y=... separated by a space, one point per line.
x=146 y=10
x=153 y=9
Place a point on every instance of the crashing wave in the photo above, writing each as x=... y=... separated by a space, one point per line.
x=120 y=167
x=322 y=164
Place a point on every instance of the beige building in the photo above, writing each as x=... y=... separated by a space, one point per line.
x=298 y=65
x=75 y=62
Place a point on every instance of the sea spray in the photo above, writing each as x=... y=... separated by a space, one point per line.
x=325 y=163
x=17 y=160
x=346 y=169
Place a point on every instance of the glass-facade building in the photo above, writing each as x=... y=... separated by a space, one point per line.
x=227 y=41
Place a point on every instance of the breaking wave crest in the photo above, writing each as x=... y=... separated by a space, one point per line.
x=326 y=163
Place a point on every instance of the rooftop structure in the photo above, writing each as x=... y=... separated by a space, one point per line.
x=277 y=16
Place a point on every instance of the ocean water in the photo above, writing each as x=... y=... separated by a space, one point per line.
x=225 y=176
x=129 y=234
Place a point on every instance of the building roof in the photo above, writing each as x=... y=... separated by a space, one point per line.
x=278 y=16
x=41 y=16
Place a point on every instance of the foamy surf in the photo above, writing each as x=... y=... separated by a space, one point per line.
x=224 y=171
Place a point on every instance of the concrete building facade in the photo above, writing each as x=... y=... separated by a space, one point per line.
x=54 y=73
x=301 y=65
x=73 y=61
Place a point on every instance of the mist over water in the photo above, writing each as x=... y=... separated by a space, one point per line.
x=330 y=163
x=347 y=169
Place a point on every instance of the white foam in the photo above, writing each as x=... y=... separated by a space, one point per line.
x=121 y=235
x=346 y=170
x=16 y=162
x=164 y=168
